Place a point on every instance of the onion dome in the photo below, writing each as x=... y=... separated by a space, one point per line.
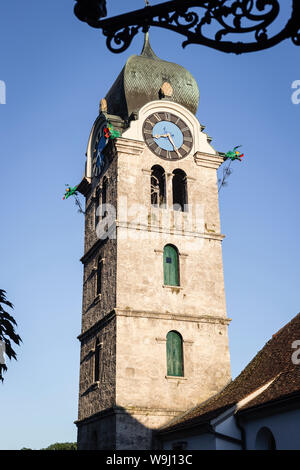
x=146 y=78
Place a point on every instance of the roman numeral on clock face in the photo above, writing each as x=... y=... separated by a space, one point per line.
x=148 y=131
x=188 y=139
x=158 y=150
x=185 y=148
x=150 y=142
x=157 y=117
x=150 y=122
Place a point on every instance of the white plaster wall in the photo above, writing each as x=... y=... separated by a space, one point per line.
x=285 y=427
x=228 y=427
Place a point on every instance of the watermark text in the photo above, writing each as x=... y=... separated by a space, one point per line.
x=2 y=92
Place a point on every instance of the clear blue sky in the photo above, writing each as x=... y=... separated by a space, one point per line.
x=56 y=70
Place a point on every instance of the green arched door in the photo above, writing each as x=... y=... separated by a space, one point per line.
x=171 y=266
x=174 y=354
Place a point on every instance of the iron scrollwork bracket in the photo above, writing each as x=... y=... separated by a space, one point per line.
x=224 y=17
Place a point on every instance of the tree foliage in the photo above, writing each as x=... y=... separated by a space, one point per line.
x=7 y=332
x=58 y=446
x=62 y=446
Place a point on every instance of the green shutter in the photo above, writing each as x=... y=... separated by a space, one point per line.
x=174 y=354
x=171 y=266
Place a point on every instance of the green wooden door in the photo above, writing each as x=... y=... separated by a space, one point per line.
x=174 y=354
x=171 y=267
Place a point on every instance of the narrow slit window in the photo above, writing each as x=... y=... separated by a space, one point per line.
x=104 y=197
x=99 y=276
x=97 y=361
x=97 y=207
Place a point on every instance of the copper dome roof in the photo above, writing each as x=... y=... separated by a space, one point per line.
x=140 y=82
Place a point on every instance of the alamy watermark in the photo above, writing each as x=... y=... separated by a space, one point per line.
x=296 y=354
x=296 y=94
x=2 y=353
x=139 y=222
x=2 y=92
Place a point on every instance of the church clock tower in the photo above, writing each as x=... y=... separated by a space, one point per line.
x=154 y=327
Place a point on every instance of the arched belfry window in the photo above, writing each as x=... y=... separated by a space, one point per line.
x=174 y=354
x=179 y=187
x=99 y=276
x=171 y=266
x=158 y=186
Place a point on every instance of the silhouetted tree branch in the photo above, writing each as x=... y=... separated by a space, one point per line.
x=7 y=333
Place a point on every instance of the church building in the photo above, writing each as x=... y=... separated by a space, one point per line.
x=154 y=339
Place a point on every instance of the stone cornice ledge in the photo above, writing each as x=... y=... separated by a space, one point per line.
x=132 y=410
x=129 y=146
x=97 y=325
x=172 y=316
x=208 y=160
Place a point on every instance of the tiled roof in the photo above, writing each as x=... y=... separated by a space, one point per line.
x=272 y=364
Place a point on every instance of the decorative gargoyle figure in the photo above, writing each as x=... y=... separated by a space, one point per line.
x=234 y=154
x=70 y=192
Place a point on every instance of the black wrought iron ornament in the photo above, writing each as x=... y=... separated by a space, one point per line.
x=223 y=17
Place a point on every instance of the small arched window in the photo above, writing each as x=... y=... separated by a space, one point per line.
x=265 y=440
x=99 y=276
x=180 y=199
x=174 y=354
x=171 y=266
x=97 y=361
x=158 y=186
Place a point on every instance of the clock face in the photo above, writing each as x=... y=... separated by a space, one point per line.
x=167 y=136
x=99 y=159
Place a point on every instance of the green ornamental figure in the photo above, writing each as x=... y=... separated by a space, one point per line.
x=70 y=192
x=234 y=154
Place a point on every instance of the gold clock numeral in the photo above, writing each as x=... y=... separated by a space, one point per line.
x=177 y=121
x=150 y=142
x=158 y=150
x=157 y=116
x=148 y=131
x=169 y=155
x=150 y=122
x=184 y=129
x=188 y=139
x=167 y=117
x=185 y=148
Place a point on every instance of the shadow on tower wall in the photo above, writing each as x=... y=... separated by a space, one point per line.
x=116 y=429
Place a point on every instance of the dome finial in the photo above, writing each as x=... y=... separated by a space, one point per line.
x=147 y=49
